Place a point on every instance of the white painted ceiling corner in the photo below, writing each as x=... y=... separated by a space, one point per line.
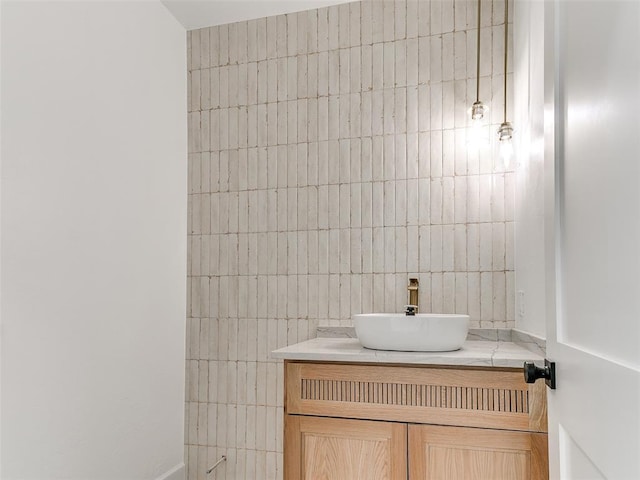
x=194 y=14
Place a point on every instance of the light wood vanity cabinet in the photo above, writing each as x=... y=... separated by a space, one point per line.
x=373 y=422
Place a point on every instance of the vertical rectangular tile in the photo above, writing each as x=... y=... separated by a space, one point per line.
x=400 y=17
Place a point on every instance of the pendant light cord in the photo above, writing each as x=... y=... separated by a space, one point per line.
x=478 y=57
x=506 y=53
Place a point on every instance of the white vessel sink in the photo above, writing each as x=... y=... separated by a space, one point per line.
x=424 y=332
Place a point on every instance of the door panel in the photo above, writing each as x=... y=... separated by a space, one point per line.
x=338 y=449
x=599 y=176
x=457 y=453
x=592 y=73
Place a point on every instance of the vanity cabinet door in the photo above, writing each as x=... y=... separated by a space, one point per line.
x=458 y=453
x=320 y=448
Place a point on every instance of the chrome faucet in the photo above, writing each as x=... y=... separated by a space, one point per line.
x=412 y=288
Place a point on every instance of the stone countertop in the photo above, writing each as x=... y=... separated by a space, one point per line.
x=477 y=353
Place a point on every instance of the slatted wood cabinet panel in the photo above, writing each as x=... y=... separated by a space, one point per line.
x=472 y=397
x=359 y=421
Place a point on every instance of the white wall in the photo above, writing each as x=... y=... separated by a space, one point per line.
x=93 y=219
x=528 y=55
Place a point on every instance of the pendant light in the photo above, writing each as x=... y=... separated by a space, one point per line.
x=505 y=132
x=478 y=109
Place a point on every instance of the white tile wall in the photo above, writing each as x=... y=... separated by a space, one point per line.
x=327 y=164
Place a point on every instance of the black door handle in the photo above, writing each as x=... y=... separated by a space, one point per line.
x=548 y=372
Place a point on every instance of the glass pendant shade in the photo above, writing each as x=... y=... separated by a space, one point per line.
x=505 y=136
x=478 y=110
x=505 y=132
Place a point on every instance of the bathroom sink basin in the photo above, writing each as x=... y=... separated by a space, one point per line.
x=424 y=332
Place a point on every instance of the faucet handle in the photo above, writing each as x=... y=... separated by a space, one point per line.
x=410 y=310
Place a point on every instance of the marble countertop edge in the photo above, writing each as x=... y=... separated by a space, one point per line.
x=473 y=353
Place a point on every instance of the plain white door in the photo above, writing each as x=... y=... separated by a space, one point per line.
x=592 y=159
